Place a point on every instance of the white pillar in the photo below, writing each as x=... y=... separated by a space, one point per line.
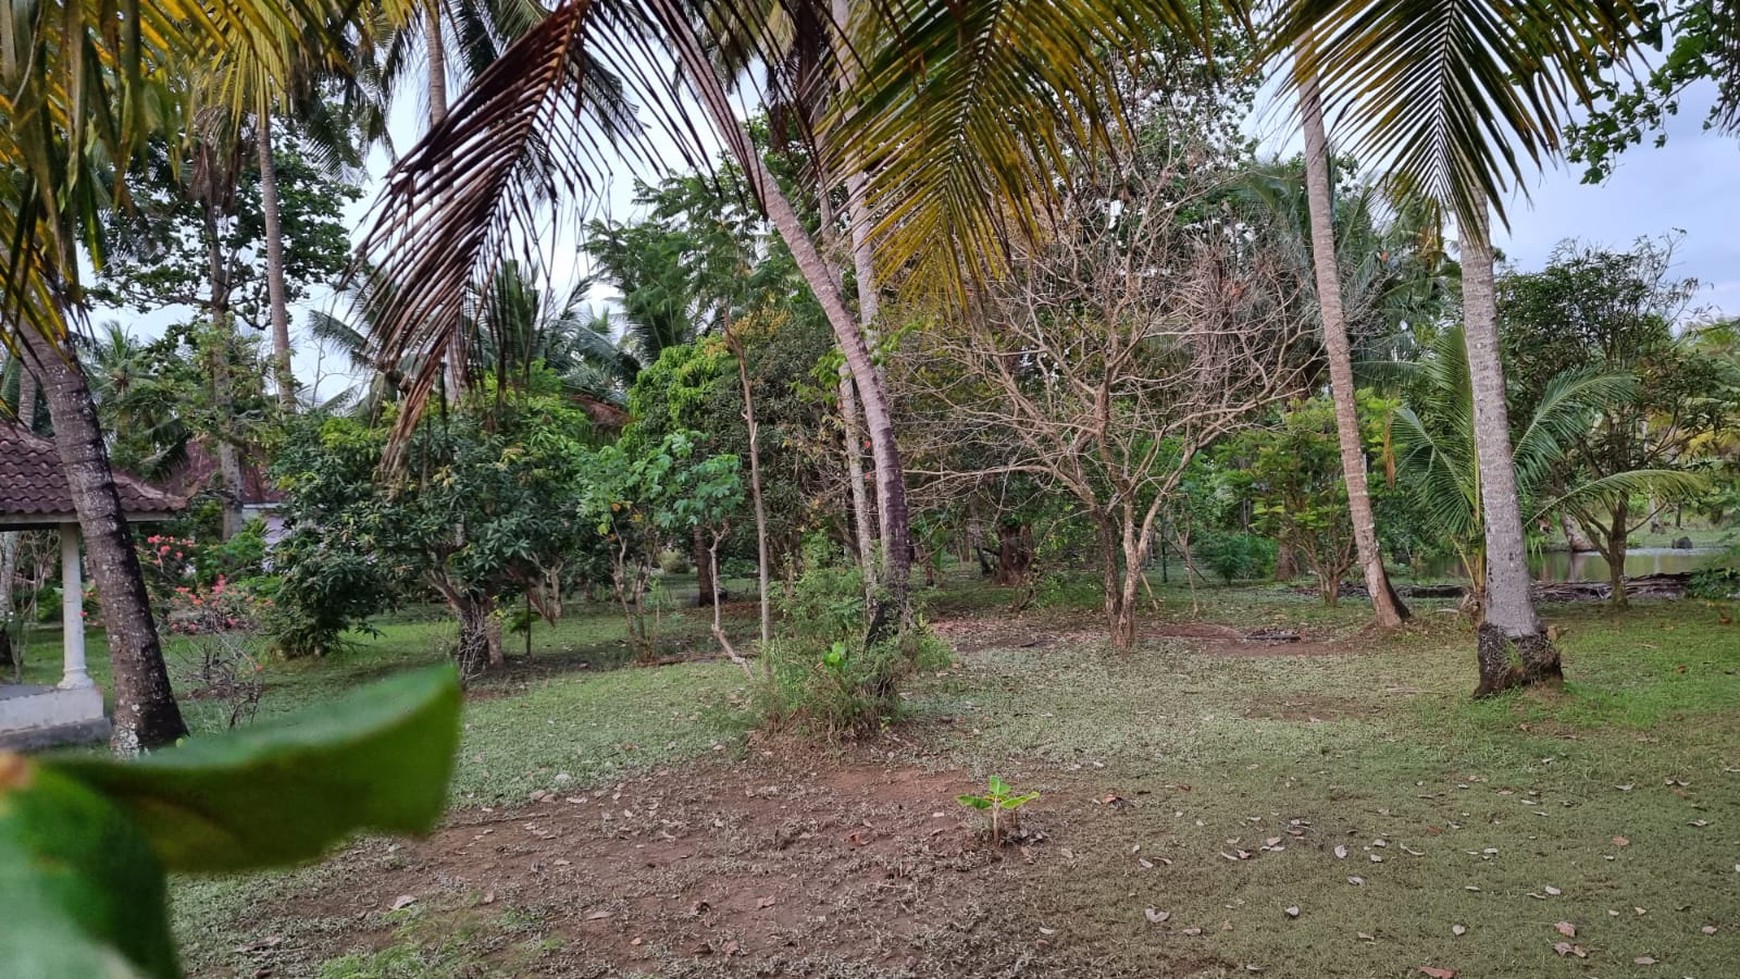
x=72 y=609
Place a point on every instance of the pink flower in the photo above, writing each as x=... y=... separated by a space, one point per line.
x=164 y=550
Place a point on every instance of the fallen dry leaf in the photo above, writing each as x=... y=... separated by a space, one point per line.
x=1356 y=881
x=766 y=902
x=1340 y=852
x=1292 y=911
x=1566 y=948
x=1552 y=891
x=1157 y=916
x=1621 y=841
x=1437 y=973
x=1708 y=929
x=1566 y=928
x=598 y=916
x=404 y=901
x=1458 y=930
x=1643 y=960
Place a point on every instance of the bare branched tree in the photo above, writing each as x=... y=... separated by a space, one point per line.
x=1157 y=318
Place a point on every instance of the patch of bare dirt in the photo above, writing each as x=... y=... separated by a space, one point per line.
x=849 y=867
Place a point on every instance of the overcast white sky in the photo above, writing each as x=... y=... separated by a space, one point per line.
x=1688 y=186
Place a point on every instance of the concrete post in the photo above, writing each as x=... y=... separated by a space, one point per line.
x=72 y=608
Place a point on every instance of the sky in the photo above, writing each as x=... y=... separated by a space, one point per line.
x=1686 y=187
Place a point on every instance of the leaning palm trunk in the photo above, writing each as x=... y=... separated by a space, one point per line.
x=878 y=419
x=146 y=715
x=1389 y=610
x=1513 y=647
x=863 y=516
x=282 y=374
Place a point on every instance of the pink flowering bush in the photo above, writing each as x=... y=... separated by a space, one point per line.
x=192 y=590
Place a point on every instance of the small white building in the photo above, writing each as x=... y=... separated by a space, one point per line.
x=34 y=495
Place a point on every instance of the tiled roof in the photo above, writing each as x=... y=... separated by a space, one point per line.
x=199 y=472
x=33 y=484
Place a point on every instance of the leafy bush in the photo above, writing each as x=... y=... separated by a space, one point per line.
x=827 y=601
x=821 y=674
x=1070 y=589
x=1237 y=557
x=1715 y=584
x=674 y=562
x=843 y=688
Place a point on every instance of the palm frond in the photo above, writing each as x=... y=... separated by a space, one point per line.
x=1664 y=484
x=962 y=114
x=1455 y=95
x=524 y=137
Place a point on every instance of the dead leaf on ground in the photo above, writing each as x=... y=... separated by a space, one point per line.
x=1621 y=841
x=1458 y=930
x=1566 y=928
x=766 y=902
x=404 y=901
x=1157 y=916
x=1437 y=973
x=1292 y=911
x=598 y=916
x=1340 y=852
x=1566 y=948
x=1643 y=960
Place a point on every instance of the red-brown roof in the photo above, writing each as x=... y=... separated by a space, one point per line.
x=34 y=490
x=199 y=472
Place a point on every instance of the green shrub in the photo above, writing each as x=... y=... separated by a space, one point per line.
x=1070 y=589
x=674 y=562
x=842 y=689
x=1237 y=557
x=1714 y=584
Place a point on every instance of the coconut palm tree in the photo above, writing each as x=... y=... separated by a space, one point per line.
x=1459 y=98
x=1437 y=448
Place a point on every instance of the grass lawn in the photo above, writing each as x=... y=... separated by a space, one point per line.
x=1332 y=808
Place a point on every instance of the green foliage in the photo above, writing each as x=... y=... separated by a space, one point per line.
x=84 y=842
x=488 y=502
x=820 y=673
x=1714 y=584
x=1000 y=802
x=844 y=688
x=1601 y=312
x=636 y=497
x=1235 y=556
x=1292 y=475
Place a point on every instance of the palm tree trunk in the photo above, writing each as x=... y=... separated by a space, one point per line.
x=858 y=221
x=282 y=374
x=1510 y=623
x=146 y=715
x=1389 y=611
x=223 y=332
x=863 y=517
x=435 y=43
x=878 y=418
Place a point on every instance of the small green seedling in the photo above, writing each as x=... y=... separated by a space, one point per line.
x=1000 y=803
